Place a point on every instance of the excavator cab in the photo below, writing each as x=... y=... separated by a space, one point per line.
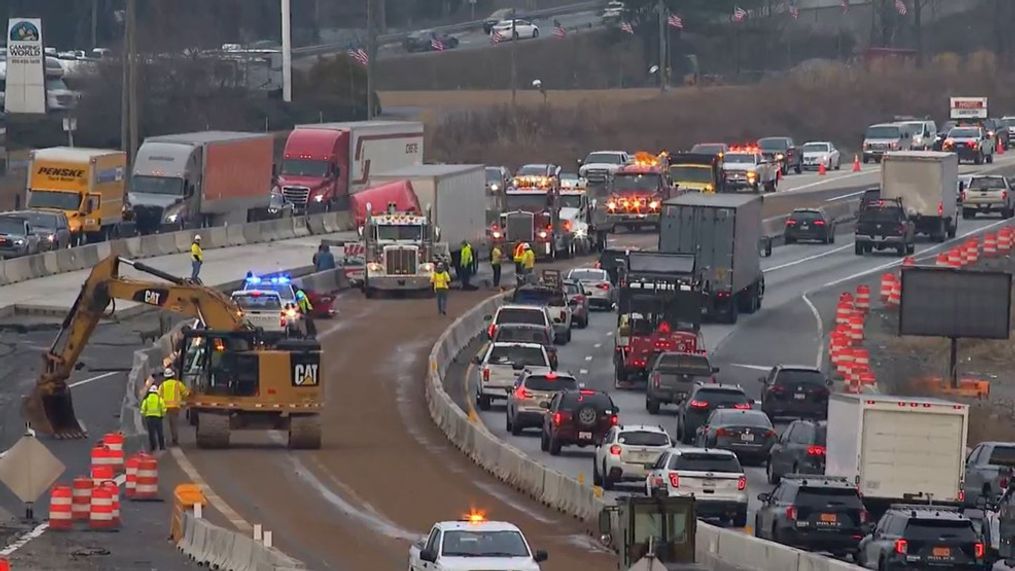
x=647 y=532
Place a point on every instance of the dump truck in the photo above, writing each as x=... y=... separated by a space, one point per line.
x=698 y=172
x=927 y=183
x=651 y=533
x=87 y=185
x=192 y=180
x=723 y=232
x=236 y=378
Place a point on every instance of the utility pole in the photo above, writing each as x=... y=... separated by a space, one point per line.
x=514 y=57
x=371 y=57
x=95 y=23
x=125 y=86
x=133 y=105
x=663 y=67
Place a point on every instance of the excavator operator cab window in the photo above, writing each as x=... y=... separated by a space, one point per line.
x=218 y=365
x=668 y=530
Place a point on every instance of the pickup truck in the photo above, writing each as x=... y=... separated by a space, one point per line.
x=501 y=366
x=748 y=168
x=883 y=224
x=672 y=377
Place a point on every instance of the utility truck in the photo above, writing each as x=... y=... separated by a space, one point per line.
x=927 y=183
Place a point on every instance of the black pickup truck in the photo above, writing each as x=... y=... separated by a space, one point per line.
x=882 y=225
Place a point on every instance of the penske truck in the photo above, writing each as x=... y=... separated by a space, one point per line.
x=898 y=449
x=87 y=185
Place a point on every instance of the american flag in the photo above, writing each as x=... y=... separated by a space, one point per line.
x=900 y=7
x=675 y=22
x=845 y=5
x=496 y=37
x=627 y=27
x=794 y=11
x=360 y=55
x=739 y=14
x=437 y=44
x=559 y=32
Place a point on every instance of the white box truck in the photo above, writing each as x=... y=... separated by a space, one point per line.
x=927 y=182
x=898 y=448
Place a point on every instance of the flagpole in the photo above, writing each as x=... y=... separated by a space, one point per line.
x=662 y=46
x=371 y=57
x=514 y=57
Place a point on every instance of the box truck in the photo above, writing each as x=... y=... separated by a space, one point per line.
x=402 y=247
x=723 y=231
x=324 y=163
x=209 y=178
x=898 y=448
x=927 y=182
x=85 y=184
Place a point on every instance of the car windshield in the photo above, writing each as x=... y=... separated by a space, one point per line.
x=624 y=183
x=517 y=355
x=804 y=215
x=578 y=399
x=881 y=214
x=1008 y=122
x=692 y=173
x=937 y=529
x=883 y=132
x=1002 y=456
x=739 y=158
x=539 y=297
x=56 y=84
x=964 y=133
x=257 y=301
x=814 y=497
x=529 y=201
x=570 y=200
x=12 y=226
x=705 y=462
x=156 y=185
x=816 y=148
x=643 y=438
x=399 y=232
x=588 y=275
x=987 y=183
x=461 y=543
x=493 y=175
x=532 y=170
x=774 y=144
x=304 y=167
x=54 y=199
x=604 y=158
x=522 y=335
x=740 y=418
x=685 y=363
x=551 y=383
x=40 y=220
x=708 y=148
x=799 y=376
x=720 y=396
x=518 y=315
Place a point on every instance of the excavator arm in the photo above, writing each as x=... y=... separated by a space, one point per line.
x=49 y=408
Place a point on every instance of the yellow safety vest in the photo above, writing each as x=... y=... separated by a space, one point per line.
x=173 y=393
x=440 y=280
x=153 y=405
x=495 y=256
x=305 y=305
x=466 y=256
x=529 y=259
x=196 y=253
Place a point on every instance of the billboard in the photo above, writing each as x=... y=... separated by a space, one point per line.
x=967 y=107
x=26 y=73
x=942 y=302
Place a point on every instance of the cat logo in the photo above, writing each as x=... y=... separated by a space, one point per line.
x=152 y=296
x=305 y=374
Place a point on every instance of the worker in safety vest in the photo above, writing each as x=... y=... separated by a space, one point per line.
x=465 y=265
x=519 y=257
x=441 y=281
x=173 y=393
x=495 y=260
x=528 y=261
x=196 y=257
x=305 y=308
x=153 y=408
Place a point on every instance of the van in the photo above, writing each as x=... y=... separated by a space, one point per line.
x=883 y=137
x=924 y=134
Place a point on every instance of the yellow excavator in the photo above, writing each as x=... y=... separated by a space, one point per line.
x=237 y=380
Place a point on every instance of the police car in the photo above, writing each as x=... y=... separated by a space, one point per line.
x=262 y=309
x=323 y=303
x=474 y=543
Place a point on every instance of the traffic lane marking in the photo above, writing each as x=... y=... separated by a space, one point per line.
x=808 y=258
x=93 y=379
x=214 y=499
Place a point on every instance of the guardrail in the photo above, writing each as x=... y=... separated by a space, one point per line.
x=82 y=257
x=337 y=47
x=219 y=548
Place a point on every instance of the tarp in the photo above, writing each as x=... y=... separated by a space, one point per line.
x=399 y=192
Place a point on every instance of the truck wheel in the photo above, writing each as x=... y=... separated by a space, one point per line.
x=305 y=432
x=990 y=158
x=901 y=249
x=968 y=214
x=952 y=229
x=979 y=159
x=910 y=248
x=858 y=249
x=483 y=401
x=755 y=188
x=798 y=168
x=652 y=406
x=369 y=292
x=733 y=312
x=212 y=430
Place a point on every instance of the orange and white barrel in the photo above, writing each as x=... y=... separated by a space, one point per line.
x=843 y=310
x=60 y=511
x=863 y=298
x=147 y=487
x=114 y=442
x=102 y=456
x=114 y=494
x=82 y=489
x=908 y=262
x=942 y=260
x=895 y=298
x=101 y=474
x=131 y=470
x=887 y=279
x=972 y=252
x=1004 y=240
x=856 y=329
x=989 y=245
x=101 y=513
x=955 y=258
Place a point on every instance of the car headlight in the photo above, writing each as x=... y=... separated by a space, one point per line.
x=496 y=234
x=542 y=233
x=780 y=156
x=494 y=187
x=752 y=174
x=51 y=237
x=709 y=188
x=172 y=217
x=654 y=204
x=374 y=267
x=19 y=242
x=426 y=267
x=318 y=198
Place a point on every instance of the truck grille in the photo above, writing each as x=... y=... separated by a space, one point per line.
x=146 y=216
x=520 y=226
x=596 y=175
x=296 y=194
x=400 y=261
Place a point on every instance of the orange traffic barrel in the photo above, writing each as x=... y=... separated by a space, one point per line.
x=147 y=487
x=82 y=488
x=114 y=494
x=886 y=286
x=114 y=442
x=101 y=515
x=101 y=474
x=131 y=470
x=895 y=298
x=863 y=298
x=102 y=457
x=60 y=516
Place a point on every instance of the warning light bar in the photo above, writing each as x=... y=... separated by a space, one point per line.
x=532 y=182
x=274 y=280
x=474 y=516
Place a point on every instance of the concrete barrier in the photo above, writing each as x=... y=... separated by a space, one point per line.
x=208 y=544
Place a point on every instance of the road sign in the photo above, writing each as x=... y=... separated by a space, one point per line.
x=29 y=469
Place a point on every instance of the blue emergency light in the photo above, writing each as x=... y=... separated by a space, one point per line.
x=274 y=280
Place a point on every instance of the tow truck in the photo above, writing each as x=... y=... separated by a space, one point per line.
x=635 y=195
x=700 y=172
x=659 y=310
x=575 y=214
x=400 y=251
x=532 y=214
x=651 y=534
x=747 y=168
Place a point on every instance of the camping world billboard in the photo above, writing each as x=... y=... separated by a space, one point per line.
x=26 y=67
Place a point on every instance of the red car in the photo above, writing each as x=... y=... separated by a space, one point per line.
x=577 y=418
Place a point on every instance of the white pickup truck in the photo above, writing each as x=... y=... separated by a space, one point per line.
x=474 y=544
x=263 y=309
x=748 y=169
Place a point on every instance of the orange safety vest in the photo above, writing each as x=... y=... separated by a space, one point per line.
x=519 y=252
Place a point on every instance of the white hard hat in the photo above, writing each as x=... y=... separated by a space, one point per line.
x=168 y=372
x=197 y=237
x=526 y=246
x=153 y=389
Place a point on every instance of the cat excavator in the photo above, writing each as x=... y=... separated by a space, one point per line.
x=236 y=379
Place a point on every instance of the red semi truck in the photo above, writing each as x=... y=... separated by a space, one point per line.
x=323 y=164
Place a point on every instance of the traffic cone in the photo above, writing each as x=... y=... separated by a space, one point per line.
x=1000 y=147
x=821 y=169
x=856 y=163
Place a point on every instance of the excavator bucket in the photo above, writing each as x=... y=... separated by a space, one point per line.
x=52 y=412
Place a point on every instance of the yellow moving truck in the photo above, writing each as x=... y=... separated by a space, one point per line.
x=87 y=185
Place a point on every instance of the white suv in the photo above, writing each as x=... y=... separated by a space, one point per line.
x=599 y=166
x=625 y=451
x=713 y=477
x=501 y=366
x=521 y=314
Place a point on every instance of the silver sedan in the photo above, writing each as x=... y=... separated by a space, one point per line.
x=602 y=294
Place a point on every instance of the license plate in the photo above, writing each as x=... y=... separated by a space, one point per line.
x=800 y=396
x=585 y=436
x=804 y=227
x=942 y=552
x=829 y=518
x=747 y=437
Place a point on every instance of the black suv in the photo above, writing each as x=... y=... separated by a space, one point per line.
x=922 y=536
x=882 y=225
x=783 y=151
x=799 y=450
x=577 y=417
x=817 y=513
x=795 y=391
x=704 y=398
x=809 y=224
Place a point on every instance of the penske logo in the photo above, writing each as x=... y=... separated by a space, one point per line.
x=61 y=172
x=305 y=374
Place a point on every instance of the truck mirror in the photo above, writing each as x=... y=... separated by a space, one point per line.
x=605 y=525
x=715 y=369
x=487 y=317
x=359 y=231
x=477 y=360
x=540 y=556
x=428 y=555
x=545 y=405
x=761 y=380
x=763 y=496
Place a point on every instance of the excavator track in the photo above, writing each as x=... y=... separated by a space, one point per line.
x=212 y=430
x=305 y=432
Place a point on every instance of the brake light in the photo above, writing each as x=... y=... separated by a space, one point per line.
x=1004 y=195
x=560 y=417
x=815 y=450
x=790 y=222
x=819 y=222
x=742 y=406
x=656 y=379
x=901 y=546
x=615 y=449
x=722 y=432
x=791 y=513
x=491 y=330
x=579 y=298
x=587 y=392
x=940 y=209
x=971 y=144
x=674 y=480
x=742 y=483
x=962 y=196
x=522 y=393
x=603 y=286
x=978 y=549
x=1003 y=482
x=864 y=516
x=777 y=389
x=614 y=420
x=486 y=374
x=962 y=495
x=698 y=404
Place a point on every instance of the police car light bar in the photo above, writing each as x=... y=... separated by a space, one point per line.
x=275 y=280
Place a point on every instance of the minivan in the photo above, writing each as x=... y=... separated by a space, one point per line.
x=924 y=134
